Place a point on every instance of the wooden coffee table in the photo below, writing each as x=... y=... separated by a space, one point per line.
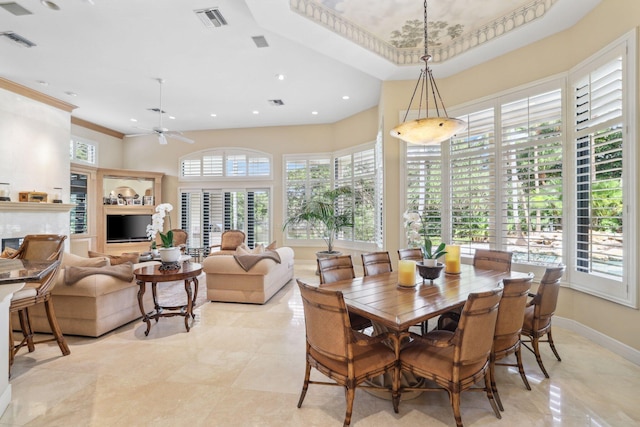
x=188 y=271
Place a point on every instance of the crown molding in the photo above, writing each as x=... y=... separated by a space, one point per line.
x=35 y=95
x=92 y=126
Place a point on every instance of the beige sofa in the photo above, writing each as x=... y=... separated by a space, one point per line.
x=227 y=281
x=94 y=305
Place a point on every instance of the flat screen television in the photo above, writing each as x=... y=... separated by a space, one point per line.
x=127 y=228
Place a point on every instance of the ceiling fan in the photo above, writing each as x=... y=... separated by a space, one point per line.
x=162 y=132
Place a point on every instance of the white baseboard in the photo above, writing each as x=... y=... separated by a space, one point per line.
x=619 y=348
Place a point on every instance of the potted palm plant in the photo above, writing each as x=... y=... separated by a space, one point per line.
x=324 y=214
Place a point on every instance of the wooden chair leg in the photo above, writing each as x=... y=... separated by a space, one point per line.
x=350 y=394
x=305 y=386
x=490 y=395
x=53 y=323
x=27 y=333
x=536 y=350
x=494 y=387
x=553 y=347
x=455 y=404
x=521 y=368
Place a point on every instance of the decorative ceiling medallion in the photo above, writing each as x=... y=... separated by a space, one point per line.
x=463 y=42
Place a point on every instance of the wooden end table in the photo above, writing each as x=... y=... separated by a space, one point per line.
x=188 y=271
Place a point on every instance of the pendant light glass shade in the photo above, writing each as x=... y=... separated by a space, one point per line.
x=427 y=130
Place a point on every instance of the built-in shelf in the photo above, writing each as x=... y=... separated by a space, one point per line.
x=34 y=206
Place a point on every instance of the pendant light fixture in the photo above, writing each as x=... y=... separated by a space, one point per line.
x=427 y=130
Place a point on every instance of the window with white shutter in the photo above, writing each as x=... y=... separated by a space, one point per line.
x=532 y=182
x=226 y=163
x=603 y=95
x=472 y=177
x=83 y=151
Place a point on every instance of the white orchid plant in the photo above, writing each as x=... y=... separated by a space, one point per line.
x=418 y=236
x=157 y=225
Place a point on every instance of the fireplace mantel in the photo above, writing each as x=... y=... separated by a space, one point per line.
x=33 y=206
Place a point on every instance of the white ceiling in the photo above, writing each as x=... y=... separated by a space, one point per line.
x=110 y=53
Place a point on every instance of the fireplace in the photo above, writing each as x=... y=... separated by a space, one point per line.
x=17 y=219
x=11 y=242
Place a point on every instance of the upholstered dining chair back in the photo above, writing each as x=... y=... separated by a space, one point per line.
x=456 y=361
x=489 y=259
x=326 y=322
x=414 y=254
x=506 y=340
x=347 y=357
x=539 y=312
x=476 y=328
x=546 y=298
x=376 y=263
x=335 y=268
x=511 y=312
x=41 y=247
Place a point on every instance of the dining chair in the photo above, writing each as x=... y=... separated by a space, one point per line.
x=538 y=314
x=489 y=259
x=414 y=254
x=506 y=339
x=485 y=259
x=37 y=247
x=336 y=268
x=456 y=361
x=376 y=263
x=345 y=356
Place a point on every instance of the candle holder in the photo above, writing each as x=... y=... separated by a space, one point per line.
x=5 y=192
x=452 y=259
x=406 y=273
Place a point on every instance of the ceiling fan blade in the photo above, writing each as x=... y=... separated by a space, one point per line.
x=178 y=135
x=162 y=139
x=137 y=134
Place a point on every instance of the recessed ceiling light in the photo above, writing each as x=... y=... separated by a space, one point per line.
x=256 y=112
x=172 y=117
x=315 y=113
x=134 y=120
x=214 y=115
x=50 y=4
x=280 y=77
x=43 y=83
x=345 y=97
x=71 y=93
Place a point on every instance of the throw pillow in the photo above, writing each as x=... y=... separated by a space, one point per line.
x=132 y=257
x=272 y=246
x=258 y=249
x=242 y=250
x=8 y=252
x=71 y=260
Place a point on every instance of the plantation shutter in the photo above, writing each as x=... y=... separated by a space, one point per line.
x=599 y=144
x=473 y=178
x=424 y=185
x=531 y=211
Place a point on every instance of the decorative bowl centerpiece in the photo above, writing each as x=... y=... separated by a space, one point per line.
x=429 y=273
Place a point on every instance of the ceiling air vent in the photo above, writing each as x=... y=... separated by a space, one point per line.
x=15 y=9
x=18 y=39
x=276 y=102
x=211 y=17
x=157 y=110
x=260 y=41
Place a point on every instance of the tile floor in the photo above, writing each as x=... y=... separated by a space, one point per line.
x=243 y=365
